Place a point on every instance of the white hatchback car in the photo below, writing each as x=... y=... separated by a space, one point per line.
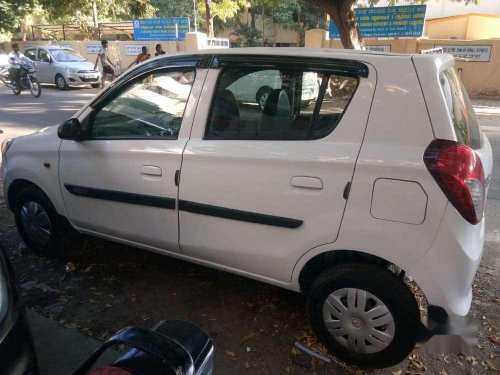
x=384 y=174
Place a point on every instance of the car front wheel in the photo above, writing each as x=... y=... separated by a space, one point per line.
x=364 y=314
x=61 y=82
x=36 y=221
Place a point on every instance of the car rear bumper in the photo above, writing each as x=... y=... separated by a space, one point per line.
x=446 y=272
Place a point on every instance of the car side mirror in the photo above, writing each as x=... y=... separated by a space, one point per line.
x=71 y=129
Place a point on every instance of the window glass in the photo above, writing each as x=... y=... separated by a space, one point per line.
x=30 y=54
x=460 y=108
x=66 y=55
x=150 y=108
x=43 y=55
x=280 y=104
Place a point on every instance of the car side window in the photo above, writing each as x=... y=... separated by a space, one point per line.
x=149 y=108
x=278 y=104
x=31 y=54
x=43 y=55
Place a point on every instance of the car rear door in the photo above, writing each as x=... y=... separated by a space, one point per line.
x=120 y=180
x=260 y=187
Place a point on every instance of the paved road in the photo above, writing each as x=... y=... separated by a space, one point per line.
x=24 y=114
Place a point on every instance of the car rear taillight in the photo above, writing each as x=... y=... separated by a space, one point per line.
x=459 y=173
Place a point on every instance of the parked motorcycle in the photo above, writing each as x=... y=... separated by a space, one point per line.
x=172 y=347
x=27 y=80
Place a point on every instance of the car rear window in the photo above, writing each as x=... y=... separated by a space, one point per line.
x=460 y=108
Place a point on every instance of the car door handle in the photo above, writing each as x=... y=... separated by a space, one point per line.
x=151 y=170
x=307 y=182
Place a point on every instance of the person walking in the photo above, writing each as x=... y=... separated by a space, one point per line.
x=159 y=50
x=143 y=56
x=108 y=68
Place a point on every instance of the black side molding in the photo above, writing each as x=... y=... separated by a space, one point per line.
x=229 y=213
x=119 y=196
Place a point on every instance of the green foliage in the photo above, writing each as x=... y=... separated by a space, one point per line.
x=12 y=13
x=224 y=9
x=248 y=35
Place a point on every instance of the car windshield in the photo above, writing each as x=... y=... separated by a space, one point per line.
x=66 y=55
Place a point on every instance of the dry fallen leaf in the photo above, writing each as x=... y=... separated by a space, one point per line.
x=495 y=339
x=396 y=372
x=231 y=355
x=497 y=300
x=443 y=372
x=471 y=360
x=246 y=338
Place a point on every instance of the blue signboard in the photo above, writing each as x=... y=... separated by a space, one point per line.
x=171 y=28
x=388 y=22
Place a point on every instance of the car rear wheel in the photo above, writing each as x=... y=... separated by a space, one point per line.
x=364 y=314
x=36 y=221
x=61 y=82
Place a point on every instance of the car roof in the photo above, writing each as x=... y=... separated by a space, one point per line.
x=320 y=53
x=297 y=51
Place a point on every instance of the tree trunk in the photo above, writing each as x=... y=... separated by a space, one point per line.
x=342 y=14
x=209 y=18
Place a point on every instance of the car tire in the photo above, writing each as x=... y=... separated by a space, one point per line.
x=364 y=314
x=61 y=82
x=37 y=221
x=95 y=85
x=262 y=95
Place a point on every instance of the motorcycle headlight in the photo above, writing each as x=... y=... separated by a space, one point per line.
x=6 y=145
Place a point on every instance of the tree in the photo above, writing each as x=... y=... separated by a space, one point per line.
x=12 y=13
x=342 y=14
x=222 y=9
x=299 y=16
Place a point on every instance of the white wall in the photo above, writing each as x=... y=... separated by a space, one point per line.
x=446 y=8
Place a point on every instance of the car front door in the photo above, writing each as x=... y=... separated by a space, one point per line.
x=43 y=66
x=119 y=182
x=260 y=187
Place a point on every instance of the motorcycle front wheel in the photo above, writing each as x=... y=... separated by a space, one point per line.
x=4 y=76
x=35 y=88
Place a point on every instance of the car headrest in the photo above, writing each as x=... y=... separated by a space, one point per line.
x=225 y=113
x=278 y=105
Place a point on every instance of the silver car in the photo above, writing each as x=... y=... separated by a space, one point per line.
x=63 y=66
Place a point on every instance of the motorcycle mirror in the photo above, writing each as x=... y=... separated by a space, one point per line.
x=71 y=129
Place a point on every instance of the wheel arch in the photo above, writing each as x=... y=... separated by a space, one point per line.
x=318 y=263
x=15 y=187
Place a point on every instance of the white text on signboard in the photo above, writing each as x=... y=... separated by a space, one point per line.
x=469 y=53
x=93 y=49
x=133 y=49
x=385 y=48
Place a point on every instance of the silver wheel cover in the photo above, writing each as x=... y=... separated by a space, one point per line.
x=36 y=223
x=358 y=320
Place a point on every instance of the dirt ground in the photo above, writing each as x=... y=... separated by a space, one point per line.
x=98 y=287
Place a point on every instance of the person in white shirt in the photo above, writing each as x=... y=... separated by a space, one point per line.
x=108 y=68
x=15 y=59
